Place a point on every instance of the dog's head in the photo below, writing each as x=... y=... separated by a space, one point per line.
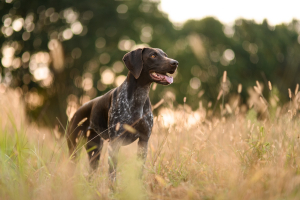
x=151 y=64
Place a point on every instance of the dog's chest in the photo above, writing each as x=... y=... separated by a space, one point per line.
x=133 y=110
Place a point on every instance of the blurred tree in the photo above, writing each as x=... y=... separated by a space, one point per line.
x=60 y=54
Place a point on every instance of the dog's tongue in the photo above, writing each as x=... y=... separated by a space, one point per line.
x=168 y=79
x=163 y=77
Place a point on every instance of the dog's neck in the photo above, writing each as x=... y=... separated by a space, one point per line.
x=137 y=88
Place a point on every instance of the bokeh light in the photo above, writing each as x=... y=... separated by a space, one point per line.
x=126 y=44
x=122 y=8
x=18 y=24
x=8 y=56
x=119 y=80
x=67 y=34
x=118 y=67
x=107 y=77
x=104 y=58
x=146 y=35
x=195 y=83
x=100 y=42
x=39 y=68
x=77 y=28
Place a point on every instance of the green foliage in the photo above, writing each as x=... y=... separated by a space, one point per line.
x=95 y=34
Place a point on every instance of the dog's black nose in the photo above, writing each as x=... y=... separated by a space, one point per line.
x=174 y=63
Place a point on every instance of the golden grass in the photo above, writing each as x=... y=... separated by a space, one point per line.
x=190 y=156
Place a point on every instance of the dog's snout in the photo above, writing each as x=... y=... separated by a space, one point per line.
x=174 y=63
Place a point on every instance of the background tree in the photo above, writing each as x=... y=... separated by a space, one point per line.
x=60 y=54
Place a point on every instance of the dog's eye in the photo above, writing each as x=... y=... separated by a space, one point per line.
x=153 y=56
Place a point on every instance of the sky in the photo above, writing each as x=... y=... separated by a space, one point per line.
x=275 y=11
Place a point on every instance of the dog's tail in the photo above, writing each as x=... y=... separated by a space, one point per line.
x=77 y=128
x=71 y=136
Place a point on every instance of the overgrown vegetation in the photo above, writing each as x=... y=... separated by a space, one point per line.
x=191 y=155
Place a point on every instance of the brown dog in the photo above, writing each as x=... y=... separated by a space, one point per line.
x=127 y=104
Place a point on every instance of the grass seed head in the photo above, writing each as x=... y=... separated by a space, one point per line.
x=224 y=76
x=88 y=133
x=240 y=87
x=258 y=85
x=82 y=121
x=297 y=89
x=161 y=181
x=270 y=85
x=129 y=128
x=118 y=126
x=228 y=108
x=290 y=93
x=257 y=89
x=154 y=86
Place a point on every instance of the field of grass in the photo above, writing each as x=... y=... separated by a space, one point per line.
x=190 y=156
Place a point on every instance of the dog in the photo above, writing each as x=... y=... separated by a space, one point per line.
x=108 y=117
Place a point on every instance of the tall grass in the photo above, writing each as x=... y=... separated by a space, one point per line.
x=191 y=156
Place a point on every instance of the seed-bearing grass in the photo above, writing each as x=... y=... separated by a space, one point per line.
x=234 y=157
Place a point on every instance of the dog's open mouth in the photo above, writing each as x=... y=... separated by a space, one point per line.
x=163 y=78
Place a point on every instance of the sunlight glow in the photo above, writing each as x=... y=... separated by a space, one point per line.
x=275 y=11
x=8 y=56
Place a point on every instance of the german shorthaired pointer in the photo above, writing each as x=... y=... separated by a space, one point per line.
x=108 y=117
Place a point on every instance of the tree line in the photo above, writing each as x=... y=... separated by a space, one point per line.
x=60 y=54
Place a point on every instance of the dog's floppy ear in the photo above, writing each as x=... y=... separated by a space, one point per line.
x=134 y=62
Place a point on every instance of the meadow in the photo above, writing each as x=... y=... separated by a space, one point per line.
x=239 y=154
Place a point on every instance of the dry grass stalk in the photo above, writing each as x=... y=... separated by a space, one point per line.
x=220 y=94
x=258 y=86
x=200 y=93
x=118 y=126
x=158 y=104
x=82 y=121
x=240 y=158
x=154 y=86
x=270 y=85
x=224 y=76
x=290 y=93
x=129 y=128
x=88 y=133
x=228 y=108
x=262 y=100
x=240 y=87
x=257 y=90
x=161 y=181
x=297 y=89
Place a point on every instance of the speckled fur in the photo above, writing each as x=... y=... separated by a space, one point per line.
x=130 y=109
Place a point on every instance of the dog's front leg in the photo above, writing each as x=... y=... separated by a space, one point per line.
x=113 y=150
x=142 y=152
